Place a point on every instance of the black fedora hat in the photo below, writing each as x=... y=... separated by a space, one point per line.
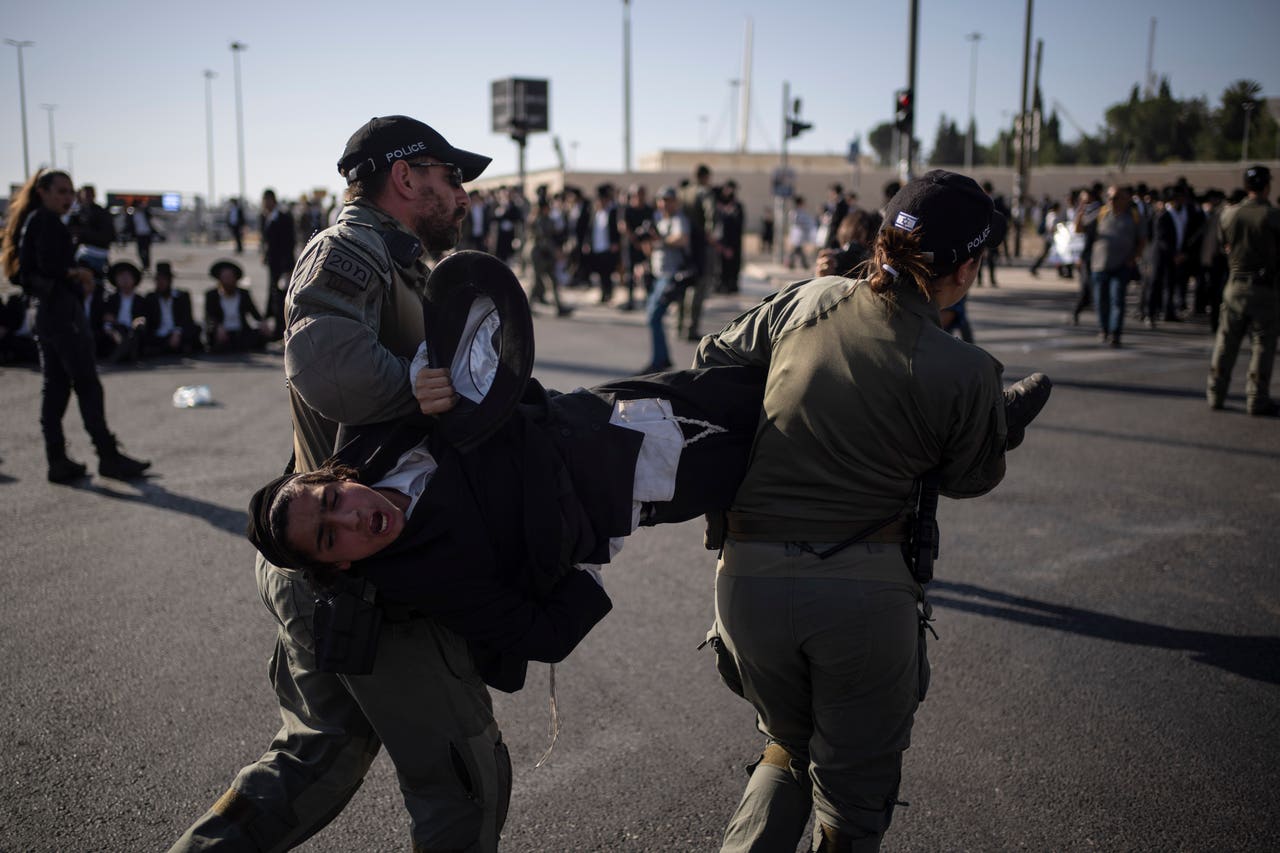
x=164 y=268
x=218 y=266
x=478 y=325
x=114 y=270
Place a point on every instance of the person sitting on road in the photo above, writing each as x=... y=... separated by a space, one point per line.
x=228 y=308
x=124 y=315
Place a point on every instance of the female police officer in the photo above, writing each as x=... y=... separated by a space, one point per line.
x=816 y=608
x=38 y=254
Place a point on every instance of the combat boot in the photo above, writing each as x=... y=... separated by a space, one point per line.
x=118 y=466
x=63 y=469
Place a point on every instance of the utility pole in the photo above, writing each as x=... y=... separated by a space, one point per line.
x=211 y=199
x=744 y=128
x=972 y=38
x=22 y=100
x=626 y=86
x=1247 y=106
x=733 y=105
x=779 y=200
x=1036 y=108
x=908 y=168
x=1020 y=177
x=236 y=48
x=53 y=146
x=71 y=163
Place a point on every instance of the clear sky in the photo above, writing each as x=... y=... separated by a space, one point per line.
x=127 y=76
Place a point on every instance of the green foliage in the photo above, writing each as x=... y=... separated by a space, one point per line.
x=881 y=141
x=948 y=145
x=1162 y=129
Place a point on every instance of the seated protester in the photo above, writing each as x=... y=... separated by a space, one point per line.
x=854 y=236
x=228 y=309
x=17 y=330
x=124 y=318
x=486 y=541
x=171 y=328
x=93 y=303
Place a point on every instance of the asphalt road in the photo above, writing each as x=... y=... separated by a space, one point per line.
x=1106 y=676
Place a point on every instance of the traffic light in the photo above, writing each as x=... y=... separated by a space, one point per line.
x=795 y=127
x=902 y=106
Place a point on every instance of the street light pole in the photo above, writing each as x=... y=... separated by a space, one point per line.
x=973 y=38
x=1020 y=176
x=208 y=130
x=1247 y=106
x=71 y=163
x=626 y=86
x=53 y=148
x=236 y=48
x=907 y=168
x=22 y=100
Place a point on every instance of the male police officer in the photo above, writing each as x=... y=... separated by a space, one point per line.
x=354 y=322
x=1250 y=234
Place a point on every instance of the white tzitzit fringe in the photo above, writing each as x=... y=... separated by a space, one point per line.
x=708 y=428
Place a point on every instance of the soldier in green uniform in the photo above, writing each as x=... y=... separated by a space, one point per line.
x=698 y=203
x=544 y=248
x=1250 y=234
x=355 y=320
x=818 y=613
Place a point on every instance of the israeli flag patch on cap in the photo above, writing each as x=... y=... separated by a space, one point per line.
x=905 y=221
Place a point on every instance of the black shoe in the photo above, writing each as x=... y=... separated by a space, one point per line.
x=564 y=311
x=1268 y=409
x=117 y=466
x=66 y=470
x=655 y=367
x=693 y=337
x=1115 y=342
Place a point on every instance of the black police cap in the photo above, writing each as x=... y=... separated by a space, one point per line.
x=955 y=219
x=386 y=139
x=1257 y=177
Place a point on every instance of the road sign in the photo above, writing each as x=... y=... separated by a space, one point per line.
x=784 y=182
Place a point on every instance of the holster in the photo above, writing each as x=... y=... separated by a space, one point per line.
x=347 y=626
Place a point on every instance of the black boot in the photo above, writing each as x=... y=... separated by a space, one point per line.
x=63 y=469
x=114 y=464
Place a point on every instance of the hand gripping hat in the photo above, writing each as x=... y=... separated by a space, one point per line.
x=954 y=217
x=478 y=325
x=386 y=139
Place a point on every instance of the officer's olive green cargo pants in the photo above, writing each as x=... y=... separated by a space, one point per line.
x=424 y=701
x=830 y=654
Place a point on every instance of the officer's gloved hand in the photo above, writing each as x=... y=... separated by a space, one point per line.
x=1023 y=400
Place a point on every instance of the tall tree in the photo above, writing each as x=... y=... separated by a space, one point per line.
x=881 y=141
x=948 y=144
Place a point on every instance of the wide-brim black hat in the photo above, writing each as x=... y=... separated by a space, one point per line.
x=219 y=266
x=478 y=325
x=954 y=218
x=386 y=139
x=114 y=270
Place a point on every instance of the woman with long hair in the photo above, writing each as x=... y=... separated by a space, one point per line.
x=39 y=256
x=870 y=409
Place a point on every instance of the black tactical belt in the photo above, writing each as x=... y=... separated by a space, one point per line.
x=746 y=527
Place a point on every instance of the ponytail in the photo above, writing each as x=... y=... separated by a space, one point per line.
x=26 y=201
x=895 y=257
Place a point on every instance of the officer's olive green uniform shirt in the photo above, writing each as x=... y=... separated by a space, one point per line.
x=1251 y=229
x=354 y=324
x=863 y=396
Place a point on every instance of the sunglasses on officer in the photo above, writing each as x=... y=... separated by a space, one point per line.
x=453 y=176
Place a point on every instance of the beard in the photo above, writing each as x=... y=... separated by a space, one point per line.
x=439 y=225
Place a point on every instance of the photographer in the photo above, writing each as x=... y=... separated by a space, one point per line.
x=853 y=238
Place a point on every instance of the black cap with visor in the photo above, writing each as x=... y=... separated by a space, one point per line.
x=954 y=218
x=386 y=139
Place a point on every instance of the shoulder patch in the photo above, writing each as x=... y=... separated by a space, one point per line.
x=348 y=266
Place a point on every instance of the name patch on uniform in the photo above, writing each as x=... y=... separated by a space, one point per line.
x=905 y=221
x=349 y=267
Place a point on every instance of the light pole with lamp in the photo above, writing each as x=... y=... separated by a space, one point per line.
x=208 y=131
x=1247 y=106
x=53 y=148
x=22 y=100
x=236 y=48
x=972 y=38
